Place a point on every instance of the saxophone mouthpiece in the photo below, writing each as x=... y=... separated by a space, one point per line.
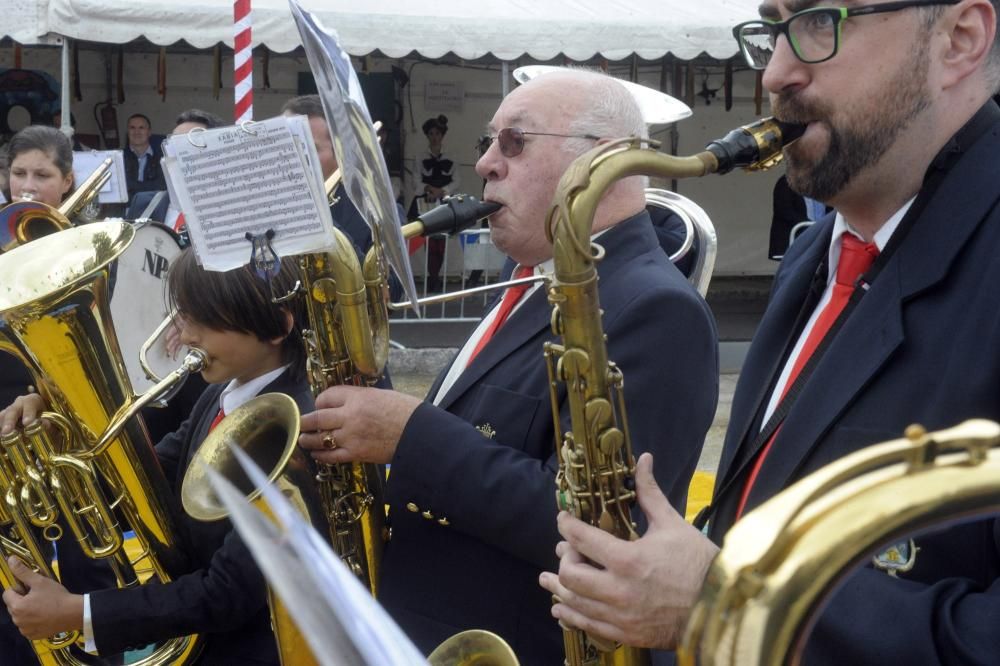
x=455 y=214
x=756 y=146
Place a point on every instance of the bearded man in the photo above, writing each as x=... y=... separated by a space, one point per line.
x=878 y=318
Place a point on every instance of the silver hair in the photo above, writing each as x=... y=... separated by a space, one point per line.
x=609 y=112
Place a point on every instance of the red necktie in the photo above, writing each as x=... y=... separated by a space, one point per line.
x=510 y=298
x=218 y=419
x=856 y=257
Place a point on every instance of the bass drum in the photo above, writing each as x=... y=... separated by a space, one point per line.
x=139 y=300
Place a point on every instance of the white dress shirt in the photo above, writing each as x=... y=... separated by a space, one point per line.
x=840 y=227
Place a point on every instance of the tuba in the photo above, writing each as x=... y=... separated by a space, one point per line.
x=25 y=220
x=595 y=481
x=783 y=559
x=57 y=322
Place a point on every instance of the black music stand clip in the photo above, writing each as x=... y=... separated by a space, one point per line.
x=264 y=260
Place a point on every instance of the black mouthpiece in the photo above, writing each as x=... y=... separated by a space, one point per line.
x=789 y=131
x=752 y=144
x=458 y=212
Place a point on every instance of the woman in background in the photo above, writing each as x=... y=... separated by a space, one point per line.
x=41 y=166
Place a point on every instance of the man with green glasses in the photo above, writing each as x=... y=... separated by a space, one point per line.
x=903 y=140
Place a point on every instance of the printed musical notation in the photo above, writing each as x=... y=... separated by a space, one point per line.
x=249 y=179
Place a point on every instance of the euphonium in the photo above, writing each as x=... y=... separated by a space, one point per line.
x=26 y=220
x=267 y=429
x=783 y=559
x=596 y=465
x=57 y=321
x=347 y=342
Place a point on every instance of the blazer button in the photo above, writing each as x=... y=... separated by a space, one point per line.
x=428 y=515
x=412 y=508
x=443 y=522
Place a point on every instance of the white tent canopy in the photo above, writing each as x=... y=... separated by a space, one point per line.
x=507 y=29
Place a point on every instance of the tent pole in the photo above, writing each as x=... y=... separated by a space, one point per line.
x=66 y=126
x=504 y=78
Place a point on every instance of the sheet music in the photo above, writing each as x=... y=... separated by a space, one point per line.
x=232 y=181
x=86 y=162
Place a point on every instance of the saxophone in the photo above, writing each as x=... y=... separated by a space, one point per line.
x=347 y=342
x=57 y=321
x=595 y=481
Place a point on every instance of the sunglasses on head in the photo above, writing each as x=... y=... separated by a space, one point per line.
x=511 y=140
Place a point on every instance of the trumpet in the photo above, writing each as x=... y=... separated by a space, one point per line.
x=25 y=220
x=267 y=429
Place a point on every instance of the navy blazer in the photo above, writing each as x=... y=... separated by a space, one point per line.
x=224 y=596
x=920 y=347
x=472 y=488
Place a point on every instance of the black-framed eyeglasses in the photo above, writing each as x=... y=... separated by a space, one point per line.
x=511 y=140
x=814 y=34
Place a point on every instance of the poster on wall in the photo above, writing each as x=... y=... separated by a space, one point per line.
x=444 y=95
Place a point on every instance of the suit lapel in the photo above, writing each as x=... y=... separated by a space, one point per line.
x=524 y=325
x=867 y=340
x=876 y=327
x=530 y=323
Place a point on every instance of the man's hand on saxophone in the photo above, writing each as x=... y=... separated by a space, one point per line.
x=356 y=424
x=636 y=592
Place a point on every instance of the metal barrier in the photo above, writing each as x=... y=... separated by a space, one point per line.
x=469 y=259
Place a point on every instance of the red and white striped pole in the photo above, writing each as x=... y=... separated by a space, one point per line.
x=242 y=61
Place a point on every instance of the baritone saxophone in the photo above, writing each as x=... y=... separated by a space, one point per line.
x=595 y=481
x=347 y=343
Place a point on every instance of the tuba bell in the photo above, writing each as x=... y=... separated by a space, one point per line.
x=57 y=322
x=25 y=220
x=784 y=558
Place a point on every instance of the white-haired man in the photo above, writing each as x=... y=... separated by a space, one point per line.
x=471 y=492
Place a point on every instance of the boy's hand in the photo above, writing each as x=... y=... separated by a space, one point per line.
x=43 y=608
x=26 y=409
